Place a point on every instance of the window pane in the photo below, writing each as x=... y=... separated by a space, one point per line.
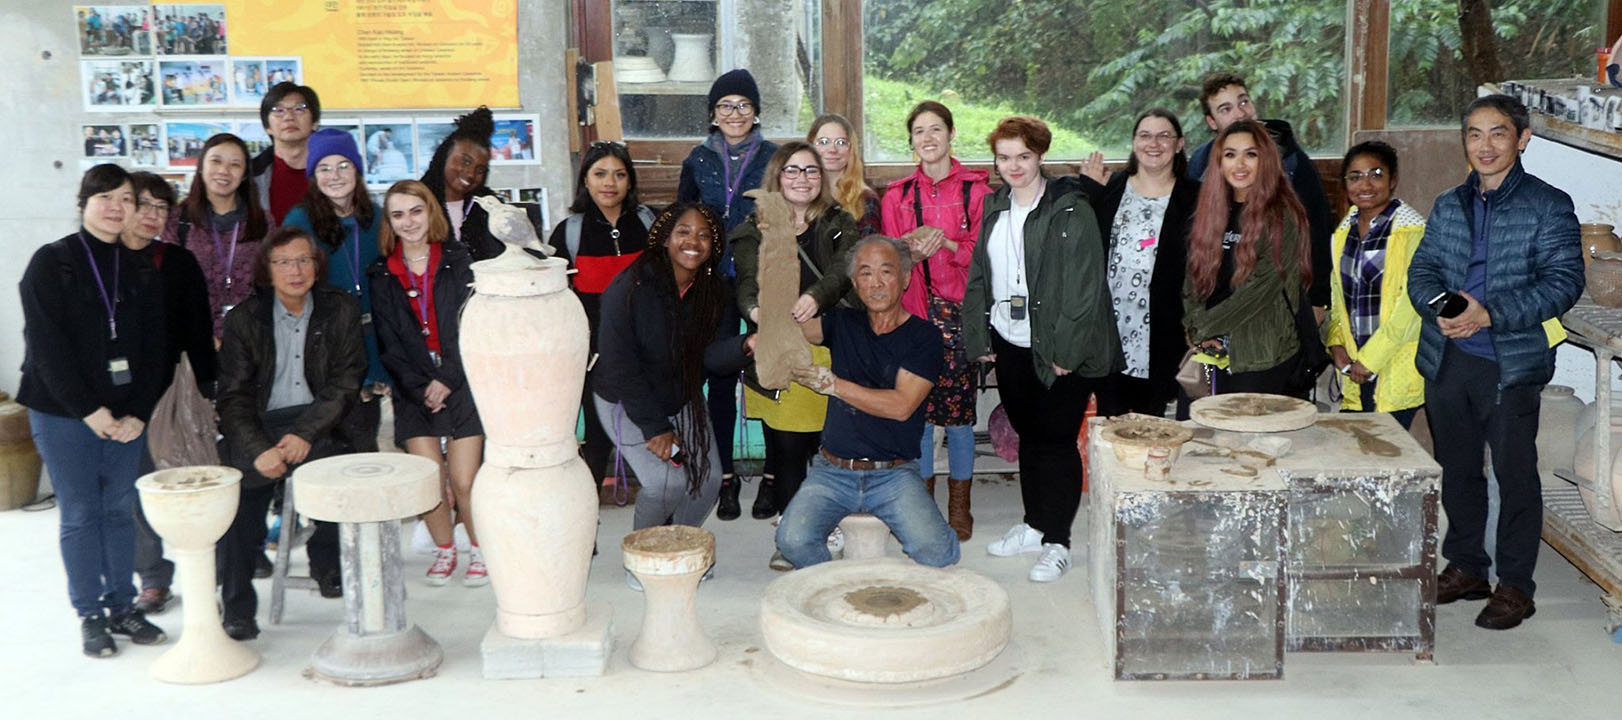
x=1088 y=67
x=1536 y=39
x=667 y=52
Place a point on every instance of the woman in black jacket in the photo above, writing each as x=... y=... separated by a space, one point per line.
x=1144 y=215
x=275 y=416
x=418 y=286
x=93 y=366
x=457 y=173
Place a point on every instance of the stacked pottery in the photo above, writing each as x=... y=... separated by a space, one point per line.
x=1583 y=463
x=1558 y=427
x=524 y=342
x=19 y=460
x=1598 y=237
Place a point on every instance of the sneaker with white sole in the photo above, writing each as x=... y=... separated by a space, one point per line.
x=1019 y=539
x=439 y=573
x=780 y=563
x=1051 y=565
x=836 y=542
x=477 y=575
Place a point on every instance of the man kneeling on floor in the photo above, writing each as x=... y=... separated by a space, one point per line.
x=884 y=362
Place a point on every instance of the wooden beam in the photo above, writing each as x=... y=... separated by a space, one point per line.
x=1368 y=59
x=842 y=60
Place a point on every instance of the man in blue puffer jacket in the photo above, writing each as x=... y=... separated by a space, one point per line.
x=1507 y=243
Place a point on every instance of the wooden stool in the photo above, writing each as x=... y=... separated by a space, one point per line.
x=865 y=536
x=190 y=508
x=670 y=560
x=286 y=537
x=368 y=494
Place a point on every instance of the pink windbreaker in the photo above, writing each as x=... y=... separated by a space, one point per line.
x=943 y=208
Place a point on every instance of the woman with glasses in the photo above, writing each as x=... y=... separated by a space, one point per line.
x=1373 y=328
x=93 y=368
x=1144 y=215
x=419 y=283
x=606 y=230
x=717 y=173
x=835 y=142
x=221 y=222
x=792 y=418
x=1248 y=264
x=458 y=172
x=937 y=211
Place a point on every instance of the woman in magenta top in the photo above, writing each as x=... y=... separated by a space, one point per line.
x=221 y=223
x=936 y=210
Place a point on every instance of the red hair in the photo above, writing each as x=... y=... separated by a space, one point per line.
x=1271 y=205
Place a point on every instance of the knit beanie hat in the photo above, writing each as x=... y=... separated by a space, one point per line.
x=736 y=82
x=332 y=141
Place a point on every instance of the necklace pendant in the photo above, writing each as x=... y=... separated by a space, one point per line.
x=412 y=293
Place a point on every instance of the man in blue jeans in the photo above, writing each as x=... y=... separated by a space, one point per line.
x=1506 y=245
x=884 y=362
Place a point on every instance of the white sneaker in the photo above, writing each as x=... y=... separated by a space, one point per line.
x=1051 y=566
x=1019 y=539
x=836 y=542
x=439 y=573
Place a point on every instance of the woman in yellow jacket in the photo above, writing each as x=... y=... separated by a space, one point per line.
x=1373 y=328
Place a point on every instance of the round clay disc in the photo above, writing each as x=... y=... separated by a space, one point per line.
x=1253 y=412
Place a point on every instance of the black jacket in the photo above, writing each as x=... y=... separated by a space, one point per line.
x=190 y=328
x=1166 y=341
x=66 y=340
x=334 y=364
x=475 y=232
x=400 y=343
x=634 y=363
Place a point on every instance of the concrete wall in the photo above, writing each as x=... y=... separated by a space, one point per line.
x=42 y=109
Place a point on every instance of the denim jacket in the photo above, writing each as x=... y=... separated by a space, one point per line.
x=703 y=179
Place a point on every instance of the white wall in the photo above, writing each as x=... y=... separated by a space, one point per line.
x=41 y=109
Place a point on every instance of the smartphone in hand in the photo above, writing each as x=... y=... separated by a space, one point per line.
x=1448 y=304
x=678 y=456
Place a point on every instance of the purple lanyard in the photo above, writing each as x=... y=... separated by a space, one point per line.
x=733 y=184
x=111 y=303
x=231 y=260
x=354 y=267
x=422 y=292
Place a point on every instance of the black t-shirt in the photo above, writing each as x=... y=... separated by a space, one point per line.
x=1230 y=240
x=870 y=360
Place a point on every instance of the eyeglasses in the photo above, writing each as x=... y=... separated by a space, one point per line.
x=1354 y=177
x=290 y=263
x=1163 y=138
x=728 y=109
x=837 y=142
x=338 y=168
x=147 y=208
x=282 y=111
x=794 y=171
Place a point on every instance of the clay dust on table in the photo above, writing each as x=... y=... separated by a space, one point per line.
x=1368 y=442
x=885 y=600
x=1252 y=406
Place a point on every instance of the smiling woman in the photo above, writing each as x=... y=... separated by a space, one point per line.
x=221 y=222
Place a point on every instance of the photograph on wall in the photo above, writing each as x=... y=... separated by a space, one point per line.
x=185 y=139
x=389 y=154
x=284 y=70
x=193 y=82
x=117 y=85
x=506 y=195
x=536 y=196
x=113 y=30
x=248 y=81
x=180 y=181
x=105 y=141
x=349 y=125
x=430 y=133
x=145 y=144
x=189 y=29
x=513 y=142
x=253 y=134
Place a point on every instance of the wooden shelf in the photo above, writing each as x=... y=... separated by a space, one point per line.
x=1603 y=142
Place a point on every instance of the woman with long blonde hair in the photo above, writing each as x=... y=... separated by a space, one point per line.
x=835 y=142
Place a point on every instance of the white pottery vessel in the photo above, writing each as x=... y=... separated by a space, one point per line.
x=693 y=60
x=1557 y=427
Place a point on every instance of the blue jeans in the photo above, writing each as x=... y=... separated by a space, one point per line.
x=959 y=452
x=94 y=480
x=895 y=496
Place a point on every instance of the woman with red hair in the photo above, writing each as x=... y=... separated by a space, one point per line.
x=1247 y=265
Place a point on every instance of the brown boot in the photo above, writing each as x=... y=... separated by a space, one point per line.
x=929 y=485
x=957 y=508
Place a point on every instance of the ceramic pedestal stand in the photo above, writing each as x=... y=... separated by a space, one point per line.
x=190 y=508
x=368 y=494
x=865 y=536
x=669 y=561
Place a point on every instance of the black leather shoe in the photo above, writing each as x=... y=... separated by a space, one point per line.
x=764 y=507
x=241 y=629
x=1507 y=608
x=729 y=508
x=262 y=568
x=330 y=584
x=1455 y=584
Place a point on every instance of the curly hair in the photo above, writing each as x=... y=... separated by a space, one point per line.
x=475 y=127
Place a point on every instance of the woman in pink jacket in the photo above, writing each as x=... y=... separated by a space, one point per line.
x=936 y=210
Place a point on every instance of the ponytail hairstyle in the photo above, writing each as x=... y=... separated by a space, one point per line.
x=1270 y=205
x=475 y=127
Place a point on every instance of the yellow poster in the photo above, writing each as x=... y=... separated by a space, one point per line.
x=388 y=54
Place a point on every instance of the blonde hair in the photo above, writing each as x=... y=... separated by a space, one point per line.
x=438 y=227
x=852 y=185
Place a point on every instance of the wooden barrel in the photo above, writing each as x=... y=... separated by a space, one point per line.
x=19 y=461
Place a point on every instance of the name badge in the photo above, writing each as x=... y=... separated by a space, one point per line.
x=119 y=370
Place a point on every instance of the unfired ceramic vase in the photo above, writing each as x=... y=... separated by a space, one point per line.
x=524 y=344
x=1558 y=414
x=19 y=459
x=1583 y=462
x=693 y=61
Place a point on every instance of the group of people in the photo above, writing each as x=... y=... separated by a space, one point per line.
x=126 y=31
x=300 y=303
x=182 y=34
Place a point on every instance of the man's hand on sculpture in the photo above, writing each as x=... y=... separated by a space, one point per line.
x=816 y=377
x=510 y=224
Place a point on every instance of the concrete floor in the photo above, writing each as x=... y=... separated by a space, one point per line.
x=1558 y=665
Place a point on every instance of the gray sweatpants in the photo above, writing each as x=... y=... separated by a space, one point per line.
x=664 y=497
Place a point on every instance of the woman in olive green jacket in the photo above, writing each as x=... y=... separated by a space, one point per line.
x=1037 y=305
x=1247 y=264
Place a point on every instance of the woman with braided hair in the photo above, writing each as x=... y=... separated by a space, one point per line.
x=659 y=328
x=457 y=174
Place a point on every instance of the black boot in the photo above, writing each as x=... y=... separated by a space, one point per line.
x=764 y=507
x=729 y=509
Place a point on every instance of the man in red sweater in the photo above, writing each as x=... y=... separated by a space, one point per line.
x=289 y=112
